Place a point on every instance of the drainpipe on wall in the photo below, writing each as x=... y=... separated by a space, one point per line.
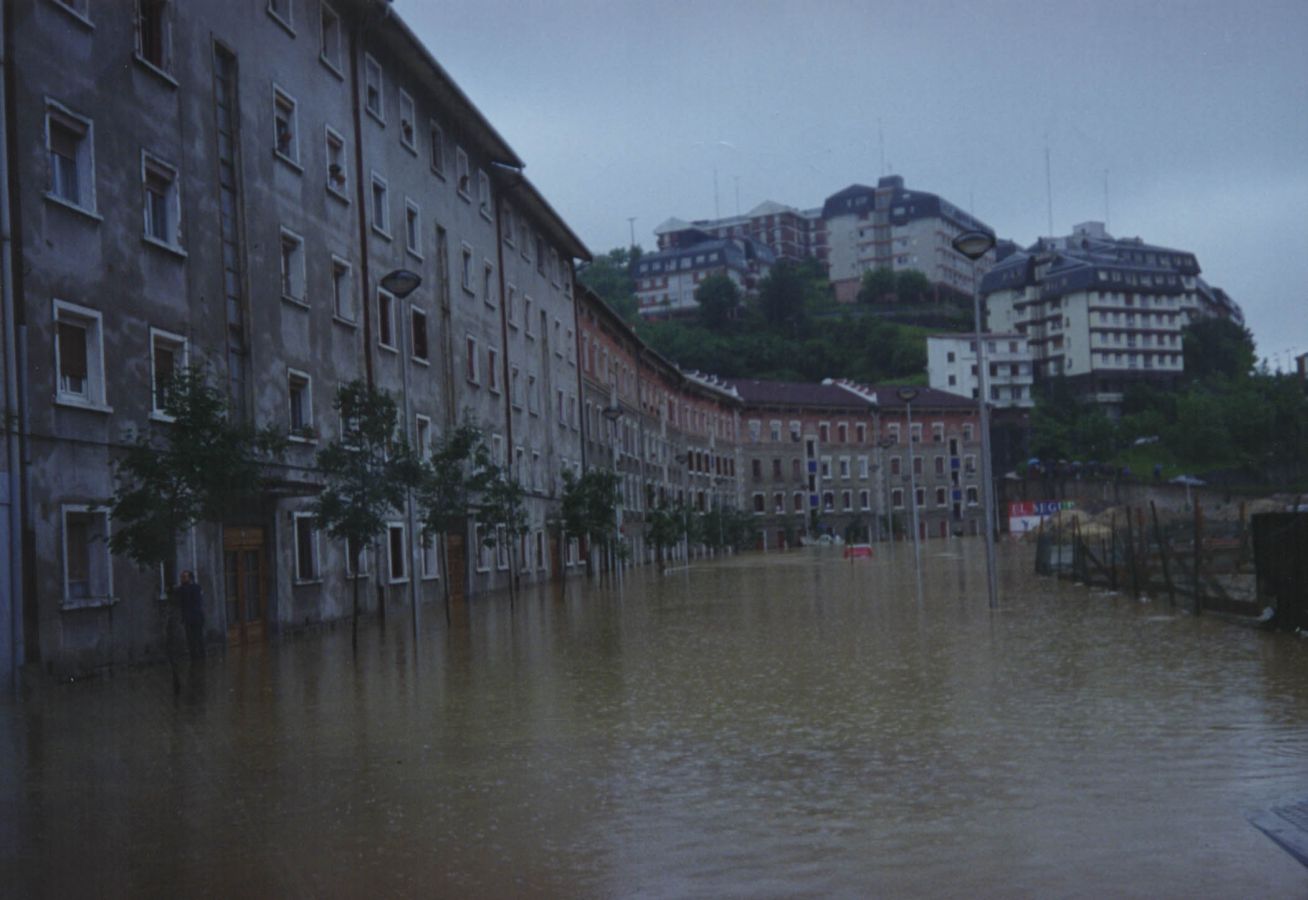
x=11 y=641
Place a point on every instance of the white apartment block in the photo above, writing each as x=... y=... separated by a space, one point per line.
x=1100 y=310
x=952 y=367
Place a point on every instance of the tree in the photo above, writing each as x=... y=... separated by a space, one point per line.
x=502 y=512
x=781 y=299
x=197 y=468
x=367 y=472
x=718 y=298
x=1217 y=347
x=664 y=526
x=457 y=470
x=588 y=503
x=877 y=284
x=912 y=286
x=612 y=277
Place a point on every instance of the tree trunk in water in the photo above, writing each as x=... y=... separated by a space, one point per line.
x=445 y=566
x=354 y=624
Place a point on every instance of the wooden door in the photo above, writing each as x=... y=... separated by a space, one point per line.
x=245 y=584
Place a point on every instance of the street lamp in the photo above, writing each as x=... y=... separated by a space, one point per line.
x=975 y=244
x=883 y=445
x=612 y=414
x=908 y=395
x=401 y=283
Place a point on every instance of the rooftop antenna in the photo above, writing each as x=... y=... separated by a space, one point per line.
x=737 y=178
x=631 y=223
x=1106 y=222
x=881 y=139
x=716 y=213
x=1049 y=189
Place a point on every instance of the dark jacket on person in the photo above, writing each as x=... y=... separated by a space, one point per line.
x=191 y=601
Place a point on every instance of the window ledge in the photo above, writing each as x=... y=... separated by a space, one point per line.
x=78 y=403
x=338 y=194
x=157 y=416
x=76 y=15
x=290 y=29
x=416 y=254
x=404 y=580
x=289 y=161
x=464 y=195
x=420 y=361
x=306 y=582
x=485 y=213
x=389 y=348
x=331 y=67
x=70 y=205
x=296 y=301
x=380 y=232
x=175 y=249
x=161 y=74
x=410 y=146
x=376 y=116
x=439 y=173
x=345 y=323
x=72 y=605
x=301 y=439
x=430 y=578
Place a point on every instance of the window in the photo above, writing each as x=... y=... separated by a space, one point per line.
x=511 y=305
x=828 y=501
x=293 y=278
x=940 y=497
x=759 y=504
x=844 y=467
x=68 y=140
x=515 y=387
x=863 y=500
x=892 y=432
x=329 y=49
x=430 y=559
x=386 y=319
x=916 y=432
x=79 y=356
x=355 y=549
x=540 y=255
x=471 y=362
x=412 y=228
x=300 y=391
x=937 y=433
x=488 y=283
x=824 y=432
x=88 y=574
x=372 y=89
x=483 y=194
x=940 y=465
x=526 y=319
x=895 y=465
x=167 y=357
x=920 y=496
x=153 y=34
x=342 y=290
x=285 y=130
x=917 y=465
x=281 y=11
x=533 y=396
x=408 y=128
x=897 y=498
x=396 y=546
x=422 y=436
x=381 y=211
x=437 y=149
x=465 y=269
x=306 y=547
x=493 y=370
x=971 y=496
x=461 y=174
x=846 y=501
x=418 y=326
x=338 y=174
x=163 y=205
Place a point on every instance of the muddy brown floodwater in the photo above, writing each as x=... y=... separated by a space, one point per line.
x=762 y=726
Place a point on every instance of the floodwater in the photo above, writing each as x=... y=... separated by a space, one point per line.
x=765 y=726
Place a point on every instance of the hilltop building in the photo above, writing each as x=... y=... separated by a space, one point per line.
x=666 y=280
x=952 y=367
x=1100 y=310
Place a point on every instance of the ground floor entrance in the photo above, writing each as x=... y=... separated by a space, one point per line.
x=245 y=583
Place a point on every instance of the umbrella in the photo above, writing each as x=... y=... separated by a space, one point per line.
x=1188 y=480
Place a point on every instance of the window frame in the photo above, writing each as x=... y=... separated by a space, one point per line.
x=315 y=551
x=158 y=335
x=164 y=66
x=152 y=164
x=436 y=147
x=303 y=432
x=290 y=278
x=287 y=21
x=84 y=162
x=413 y=228
x=92 y=322
x=415 y=312
x=388 y=301
x=411 y=142
x=375 y=181
x=341 y=264
x=289 y=155
x=403 y=557
x=333 y=64
x=332 y=136
x=92 y=598
x=371 y=65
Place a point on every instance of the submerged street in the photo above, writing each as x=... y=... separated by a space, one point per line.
x=765 y=725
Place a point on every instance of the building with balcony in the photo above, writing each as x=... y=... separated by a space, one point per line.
x=952 y=367
x=788 y=232
x=666 y=281
x=1101 y=311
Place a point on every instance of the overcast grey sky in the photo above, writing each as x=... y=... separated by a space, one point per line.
x=1195 y=114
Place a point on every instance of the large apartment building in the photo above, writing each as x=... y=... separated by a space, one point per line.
x=226 y=185
x=788 y=232
x=667 y=280
x=1101 y=311
x=952 y=366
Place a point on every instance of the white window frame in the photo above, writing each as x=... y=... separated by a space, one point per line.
x=181 y=352
x=429 y=557
x=409 y=139
x=465 y=268
x=372 y=68
x=334 y=146
x=290 y=153
x=294 y=277
x=302 y=432
x=387 y=299
x=93 y=396
x=488 y=283
x=484 y=194
x=436 y=146
x=78 y=9
x=330 y=57
x=164 y=66
x=422 y=435
x=493 y=370
x=511 y=305
x=315 y=559
x=285 y=19
x=403 y=557
x=383 y=227
x=462 y=174
x=104 y=559
x=172 y=200
x=412 y=228
x=416 y=311
x=84 y=163
x=342 y=274
x=363 y=561
x=472 y=362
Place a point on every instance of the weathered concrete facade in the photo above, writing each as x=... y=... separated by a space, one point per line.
x=226 y=185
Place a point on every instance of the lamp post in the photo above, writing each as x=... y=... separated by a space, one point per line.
x=908 y=395
x=400 y=284
x=975 y=244
x=883 y=445
x=612 y=414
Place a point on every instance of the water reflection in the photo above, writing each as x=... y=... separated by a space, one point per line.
x=765 y=725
